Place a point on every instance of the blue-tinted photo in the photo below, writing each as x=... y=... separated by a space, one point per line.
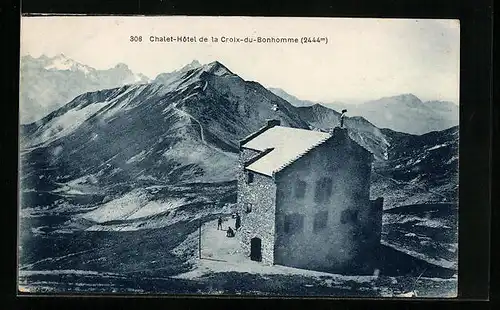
x=194 y=168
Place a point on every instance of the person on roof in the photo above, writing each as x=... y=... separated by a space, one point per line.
x=344 y=111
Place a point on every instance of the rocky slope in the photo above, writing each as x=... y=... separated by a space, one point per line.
x=419 y=169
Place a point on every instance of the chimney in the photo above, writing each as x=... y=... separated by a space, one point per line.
x=339 y=132
x=273 y=122
x=270 y=124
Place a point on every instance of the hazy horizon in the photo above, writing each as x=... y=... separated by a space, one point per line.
x=365 y=59
x=348 y=101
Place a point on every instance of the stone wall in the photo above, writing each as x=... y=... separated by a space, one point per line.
x=259 y=222
x=346 y=211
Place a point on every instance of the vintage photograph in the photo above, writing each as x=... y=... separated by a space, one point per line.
x=250 y=156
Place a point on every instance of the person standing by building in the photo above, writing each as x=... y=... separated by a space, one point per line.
x=219 y=223
x=237 y=223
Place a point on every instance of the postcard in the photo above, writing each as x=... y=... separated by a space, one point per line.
x=250 y=156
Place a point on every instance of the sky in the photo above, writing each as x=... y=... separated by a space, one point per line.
x=364 y=59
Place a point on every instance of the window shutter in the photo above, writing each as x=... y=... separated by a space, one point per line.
x=349 y=216
x=300 y=189
x=320 y=220
x=323 y=190
x=293 y=223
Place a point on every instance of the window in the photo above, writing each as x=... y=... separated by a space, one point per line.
x=323 y=190
x=293 y=223
x=249 y=178
x=300 y=189
x=320 y=220
x=284 y=192
x=349 y=216
x=280 y=194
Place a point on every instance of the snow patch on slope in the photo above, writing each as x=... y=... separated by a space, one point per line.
x=437 y=147
x=137 y=157
x=66 y=123
x=133 y=205
x=156 y=207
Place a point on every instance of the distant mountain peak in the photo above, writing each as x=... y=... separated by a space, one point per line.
x=283 y=94
x=217 y=68
x=215 y=63
x=291 y=98
x=62 y=62
x=49 y=73
x=409 y=97
x=195 y=63
x=213 y=68
x=192 y=65
x=121 y=66
x=61 y=56
x=318 y=106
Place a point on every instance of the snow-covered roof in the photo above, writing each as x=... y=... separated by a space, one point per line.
x=288 y=145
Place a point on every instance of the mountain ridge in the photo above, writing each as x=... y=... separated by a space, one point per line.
x=360 y=129
x=404 y=112
x=47 y=83
x=187 y=130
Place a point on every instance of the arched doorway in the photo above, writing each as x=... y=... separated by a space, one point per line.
x=255 y=249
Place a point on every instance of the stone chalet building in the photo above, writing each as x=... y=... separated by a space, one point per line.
x=304 y=199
